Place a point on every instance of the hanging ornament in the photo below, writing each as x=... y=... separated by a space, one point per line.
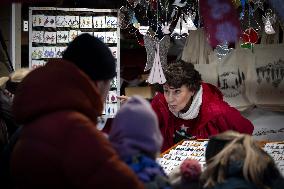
x=133 y=3
x=221 y=22
x=134 y=21
x=258 y=4
x=189 y=21
x=156 y=74
x=153 y=4
x=242 y=14
x=179 y=3
x=181 y=26
x=250 y=36
x=222 y=50
x=143 y=29
x=150 y=45
x=268 y=19
x=166 y=28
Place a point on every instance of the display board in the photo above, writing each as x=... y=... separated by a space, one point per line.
x=276 y=151
x=51 y=29
x=195 y=149
x=187 y=149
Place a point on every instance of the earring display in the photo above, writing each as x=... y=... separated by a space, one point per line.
x=52 y=29
x=188 y=149
x=276 y=151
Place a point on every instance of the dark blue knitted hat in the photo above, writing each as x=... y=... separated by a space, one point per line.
x=92 y=56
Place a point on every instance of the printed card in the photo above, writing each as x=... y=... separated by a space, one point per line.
x=113 y=51
x=61 y=21
x=38 y=36
x=72 y=35
x=73 y=21
x=38 y=20
x=86 y=22
x=100 y=35
x=110 y=37
x=50 y=37
x=59 y=51
x=49 y=21
x=99 y=21
x=111 y=22
x=37 y=53
x=49 y=52
x=62 y=36
x=37 y=63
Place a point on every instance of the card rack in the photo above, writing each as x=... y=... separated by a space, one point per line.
x=52 y=28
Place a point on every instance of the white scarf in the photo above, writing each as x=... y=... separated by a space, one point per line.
x=194 y=108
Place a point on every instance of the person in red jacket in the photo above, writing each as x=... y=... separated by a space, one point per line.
x=58 y=105
x=189 y=108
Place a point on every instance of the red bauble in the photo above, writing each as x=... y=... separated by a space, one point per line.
x=250 y=36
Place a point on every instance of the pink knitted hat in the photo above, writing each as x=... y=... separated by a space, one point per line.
x=190 y=170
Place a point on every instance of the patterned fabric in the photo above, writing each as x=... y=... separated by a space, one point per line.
x=215 y=116
x=148 y=171
x=59 y=145
x=221 y=22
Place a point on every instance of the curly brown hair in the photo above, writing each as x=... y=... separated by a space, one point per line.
x=182 y=73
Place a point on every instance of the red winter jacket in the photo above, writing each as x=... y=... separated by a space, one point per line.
x=215 y=116
x=59 y=146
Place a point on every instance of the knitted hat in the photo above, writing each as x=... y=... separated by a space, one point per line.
x=135 y=129
x=92 y=56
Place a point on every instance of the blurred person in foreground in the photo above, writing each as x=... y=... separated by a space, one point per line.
x=235 y=161
x=8 y=87
x=137 y=139
x=58 y=105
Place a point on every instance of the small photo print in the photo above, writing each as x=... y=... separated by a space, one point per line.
x=49 y=52
x=61 y=21
x=38 y=36
x=73 y=21
x=38 y=20
x=72 y=35
x=59 y=51
x=113 y=83
x=99 y=21
x=86 y=22
x=111 y=22
x=110 y=37
x=62 y=36
x=49 y=21
x=50 y=37
x=37 y=53
x=100 y=35
x=112 y=97
x=111 y=109
x=37 y=63
x=113 y=51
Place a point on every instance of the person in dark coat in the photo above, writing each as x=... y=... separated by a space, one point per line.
x=58 y=105
x=235 y=161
